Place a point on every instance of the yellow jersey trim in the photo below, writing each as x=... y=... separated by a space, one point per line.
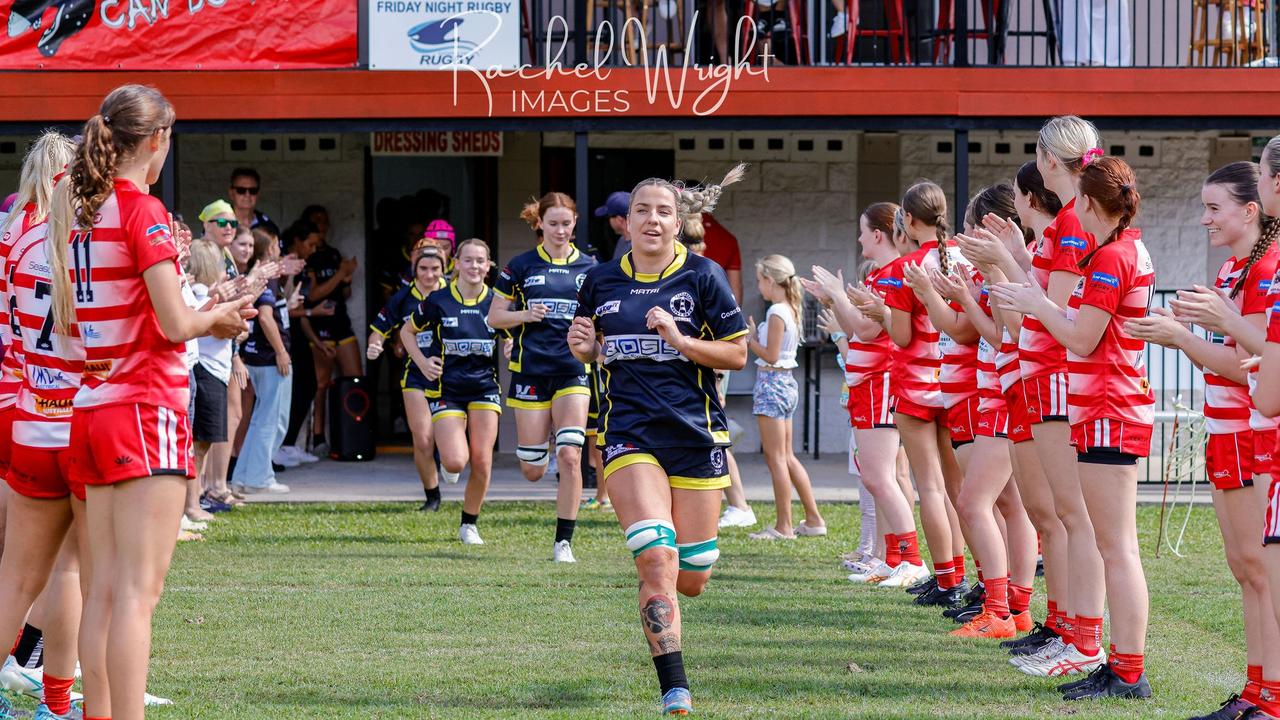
x=677 y=262
x=546 y=256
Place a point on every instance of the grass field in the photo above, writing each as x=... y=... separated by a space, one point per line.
x=376 y=611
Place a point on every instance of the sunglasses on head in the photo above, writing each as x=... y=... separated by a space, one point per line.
x=223 y=222
x=242 y=190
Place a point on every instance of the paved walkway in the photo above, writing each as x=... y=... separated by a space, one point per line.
x=391 y=478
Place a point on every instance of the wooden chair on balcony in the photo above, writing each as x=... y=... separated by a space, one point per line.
x=1239 y=44
x=797 y=32
x=620 y=12
x=894 y=32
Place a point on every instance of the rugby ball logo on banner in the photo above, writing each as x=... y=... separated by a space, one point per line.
x=443 y=34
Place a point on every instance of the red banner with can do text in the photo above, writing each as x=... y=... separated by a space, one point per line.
x=178 y=34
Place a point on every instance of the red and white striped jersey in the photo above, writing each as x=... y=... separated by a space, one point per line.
x=1111 y=382
x=1227 y=407
x=866 y=359
x=10 y=335
x=52 y=362
x=958 y=375
x=914 y=370
x=128 y=359
x=990 y=391
x=1061 y=248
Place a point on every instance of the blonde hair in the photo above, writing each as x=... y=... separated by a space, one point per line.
x=782 y=272
x=128 y=116
x=695 y=199
x=48 y=156
x=1068 y=138
x=474 y=241
x=205 y=264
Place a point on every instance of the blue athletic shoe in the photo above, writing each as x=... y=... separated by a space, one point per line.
x=44 y=713
x=677 y=701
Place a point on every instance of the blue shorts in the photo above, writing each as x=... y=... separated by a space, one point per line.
x=459 y=404
x=776 y=394
x=688 y=468
x=536 y=392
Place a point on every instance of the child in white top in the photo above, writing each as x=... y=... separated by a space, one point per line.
x=776 y=396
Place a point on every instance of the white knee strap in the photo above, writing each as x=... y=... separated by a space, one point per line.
x=533 y=454
x=647 y=534
x=571 y=437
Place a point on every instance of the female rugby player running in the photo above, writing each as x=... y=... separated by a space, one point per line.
x=664 y=320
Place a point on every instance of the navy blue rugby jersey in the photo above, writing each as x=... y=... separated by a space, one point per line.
x=654 y=397
x=257 y=350
x=541 y=348
x=456 y=330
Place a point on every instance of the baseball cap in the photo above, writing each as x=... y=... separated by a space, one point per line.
x=440 y=230
x=618 y=203
x=214 y=209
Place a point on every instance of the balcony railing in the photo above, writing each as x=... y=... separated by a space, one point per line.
x=1011 y=33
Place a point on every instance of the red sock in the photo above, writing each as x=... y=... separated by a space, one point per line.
x=1269 y=697
x=958 y=562
x=1128 y=667
x=1252 y=687
x=946 y=574
x=978 y=568
x=92 y=717
x=909 y=546
x=1067 y=625
x=997 y=602
x=1088 y=634
x=1051 y=616
x=57 y=694
x=16 y=641
x=892 y=554
x=1019 y=598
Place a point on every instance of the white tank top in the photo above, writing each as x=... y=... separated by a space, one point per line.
x=790 y=337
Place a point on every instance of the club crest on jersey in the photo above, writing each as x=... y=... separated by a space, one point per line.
x=682 y=305
x=580 y=279
x=158 y=234
x=609 y=308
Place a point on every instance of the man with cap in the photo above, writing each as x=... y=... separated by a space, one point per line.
x=616 y=207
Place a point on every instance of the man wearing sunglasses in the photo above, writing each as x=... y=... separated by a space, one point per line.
x=245 y=186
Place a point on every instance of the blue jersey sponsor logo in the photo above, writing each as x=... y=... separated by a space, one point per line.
x=890 y=282
x=609 y=307
x=1105 y=279
x=1073 y=242
x=1264 y=286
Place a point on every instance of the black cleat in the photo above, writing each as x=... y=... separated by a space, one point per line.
x=431 y=505
x=975 y=595
x=1235 y=708
x=964 y=613
x=943 y=598
x=923 y=586
x=1031 y=643
x=1091 y=679
x=1108 y=684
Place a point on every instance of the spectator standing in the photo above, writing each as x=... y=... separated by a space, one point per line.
x=615 y=208
x=245 y=186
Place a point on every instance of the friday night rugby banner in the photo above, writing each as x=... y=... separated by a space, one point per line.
x=179 y=34
x=441 y=34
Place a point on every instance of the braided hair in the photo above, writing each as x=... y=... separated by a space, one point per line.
x=1240 y=180
x=692 y=200
x=1110 y=183
x=925 y=201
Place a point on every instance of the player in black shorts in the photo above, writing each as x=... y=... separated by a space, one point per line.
x=329 y=281
x=536 y=297
x=452 y=345
x=663 y=320
x=428 y=269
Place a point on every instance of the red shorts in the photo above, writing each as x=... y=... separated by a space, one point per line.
x=115 y=443
x=870 y=404
x=1046 y=397
x=993 y=423
x=6 y=439
x=1266 y=459
x=1271 y=530
x=922 y=412
x=1019 y=421
x=962 y=420
x=1229 y=460
x=1115 y=436
x=43 y=473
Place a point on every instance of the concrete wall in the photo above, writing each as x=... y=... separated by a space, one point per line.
x=291 y=180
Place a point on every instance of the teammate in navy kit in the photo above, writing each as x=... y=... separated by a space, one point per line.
x=663 y=320
x=536 y=299
x=452 y=345
x=428 y=271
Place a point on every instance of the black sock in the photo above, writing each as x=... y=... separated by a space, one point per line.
x=564 y=529
x=231 y=467
x=467 y=518
x=433 y=493
x=29 y=644
x=670 y=669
